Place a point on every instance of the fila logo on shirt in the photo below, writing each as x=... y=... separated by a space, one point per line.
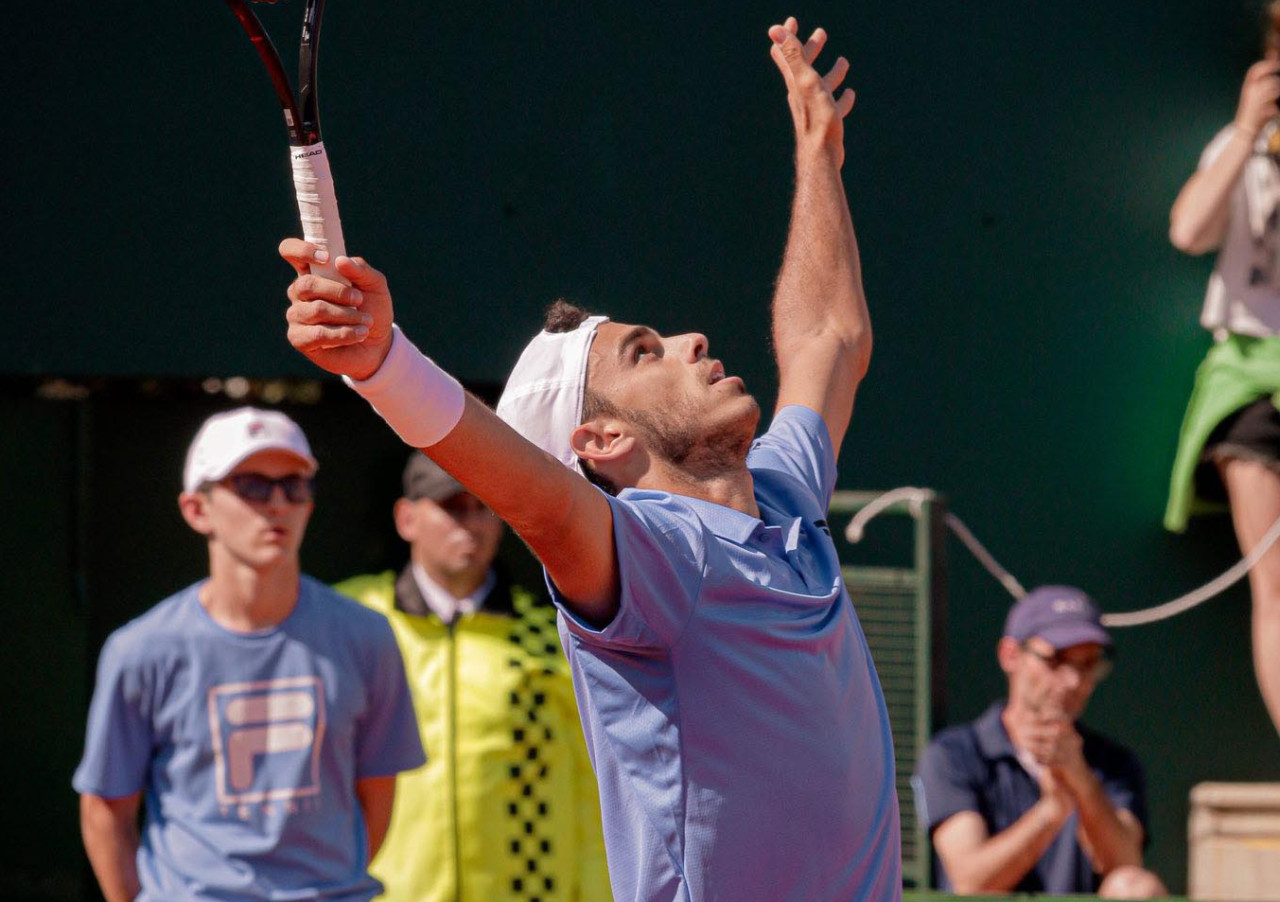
x=266 y=742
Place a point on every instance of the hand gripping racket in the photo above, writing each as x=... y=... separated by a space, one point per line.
x=312 y=181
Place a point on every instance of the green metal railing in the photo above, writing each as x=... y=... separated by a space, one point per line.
x=902 y=611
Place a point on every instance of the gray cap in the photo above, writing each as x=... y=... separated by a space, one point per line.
x=1061 y=615
x=424 y=478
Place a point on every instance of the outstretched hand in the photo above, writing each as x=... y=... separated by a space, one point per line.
x=345 y=329
x=816 y=110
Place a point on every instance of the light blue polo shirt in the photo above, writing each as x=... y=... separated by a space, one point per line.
x=732 y=712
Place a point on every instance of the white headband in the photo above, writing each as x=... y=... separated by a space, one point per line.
x=543 y=397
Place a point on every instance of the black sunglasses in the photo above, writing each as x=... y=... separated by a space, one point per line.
x=258 y=487
x=1095 y=669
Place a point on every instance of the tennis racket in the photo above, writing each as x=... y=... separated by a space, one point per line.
x=312 y=180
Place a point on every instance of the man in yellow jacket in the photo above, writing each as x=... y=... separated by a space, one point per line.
x=506 y=807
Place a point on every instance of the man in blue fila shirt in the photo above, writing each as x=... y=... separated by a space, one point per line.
x=261 y=716
x=734 y=718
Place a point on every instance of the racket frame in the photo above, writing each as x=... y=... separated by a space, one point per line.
x=312 y=179
x=301 y=108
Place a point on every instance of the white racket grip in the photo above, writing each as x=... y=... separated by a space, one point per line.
x=317 y=204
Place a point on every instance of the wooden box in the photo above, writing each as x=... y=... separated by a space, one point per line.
x=1234 y=842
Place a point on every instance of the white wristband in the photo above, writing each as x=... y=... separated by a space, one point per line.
x=420 y=401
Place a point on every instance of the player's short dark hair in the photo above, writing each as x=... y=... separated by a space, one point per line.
x=562 y=316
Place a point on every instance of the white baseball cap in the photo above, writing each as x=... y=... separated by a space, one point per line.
x=226 y=439
x=543 y=397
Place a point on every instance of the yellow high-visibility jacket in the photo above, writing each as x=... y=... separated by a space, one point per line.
x=506 y=807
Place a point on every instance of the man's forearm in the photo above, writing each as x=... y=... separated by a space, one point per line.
x=821 y=330
x=110 y=836
x=819 y=289
x=1001 y=862
x=1109 y=841
x=1198 y=219
x=377 y=797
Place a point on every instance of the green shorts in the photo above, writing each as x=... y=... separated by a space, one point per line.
x=1234 y=373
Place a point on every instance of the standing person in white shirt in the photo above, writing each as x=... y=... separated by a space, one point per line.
x=1229 y=448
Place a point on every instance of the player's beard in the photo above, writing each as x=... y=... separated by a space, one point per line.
x=699 y=451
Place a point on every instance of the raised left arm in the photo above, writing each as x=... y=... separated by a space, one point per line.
x=821 y=329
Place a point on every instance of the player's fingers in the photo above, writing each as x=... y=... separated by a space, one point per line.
x=310 y=287
x=845 y=103
x=792 y=52
x=361 y=274
x=814 y=45
x=317 y=338
x=792 y=25
x=322 y=313
x=301 y=254
x=1265 y=68
x=834 y=77
x=775 y=51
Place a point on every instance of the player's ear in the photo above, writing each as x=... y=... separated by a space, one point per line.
x=194 y=507
x=602 y=440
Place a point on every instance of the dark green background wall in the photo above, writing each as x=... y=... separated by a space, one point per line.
x=1010 y=168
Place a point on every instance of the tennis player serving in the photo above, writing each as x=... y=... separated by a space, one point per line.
x=732 y=711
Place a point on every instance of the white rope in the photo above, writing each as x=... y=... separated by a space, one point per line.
x=1201 y=595
x=915 y=498
x=1003 y=576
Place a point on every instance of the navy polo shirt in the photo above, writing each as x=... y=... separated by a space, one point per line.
x=974 y=767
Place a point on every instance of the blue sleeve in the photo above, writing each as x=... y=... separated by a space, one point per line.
x=387 y=741
x=944 y=783
x=661 y=550
x=118 y=741
x=798 y=444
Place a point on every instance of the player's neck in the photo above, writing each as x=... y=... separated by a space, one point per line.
x=242 y=599
x=733 y=488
